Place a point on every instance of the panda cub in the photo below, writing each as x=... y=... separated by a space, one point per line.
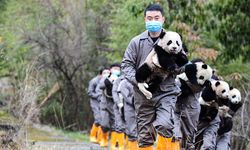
x=235 y=101
x=208 y=100
x=194 y=78
x=167 y=56
x=227 y=108
x=232 y=102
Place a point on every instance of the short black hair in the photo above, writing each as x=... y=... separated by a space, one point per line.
x=154 y=7
x=105 y=68
x=115 y=65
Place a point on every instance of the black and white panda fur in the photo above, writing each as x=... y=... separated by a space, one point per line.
x=235 y=101
x=208 y=100
x=227 y=108
x=194 y=78
x=167 y=55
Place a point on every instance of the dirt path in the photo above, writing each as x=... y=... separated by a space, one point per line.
x=42 y=137
x=67 y=145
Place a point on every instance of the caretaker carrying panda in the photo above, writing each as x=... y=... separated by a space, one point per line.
x=117 y=136
x=94 y=104
x=155 y=116
x=125 y=91
x=107 y=103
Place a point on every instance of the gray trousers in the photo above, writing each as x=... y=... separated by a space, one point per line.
x=223 y=141
x=157 y=113
x=107 y=114
x=186 y=121
x=207 y=134
x=130 y=121
x=95 y=106
x=119 y=121
x=127 y=90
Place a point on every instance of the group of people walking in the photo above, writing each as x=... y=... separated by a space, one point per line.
x=112 y=104
x=125 y=119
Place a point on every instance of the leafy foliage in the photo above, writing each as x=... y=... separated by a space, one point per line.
x=13 y=50
x=57 y=35
x=203 y=24
x=231 y=27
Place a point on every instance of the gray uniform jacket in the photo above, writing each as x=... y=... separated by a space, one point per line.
x=119 y=121
x=106 y=109
x=129 y=109
x=207 y=134
x=187 y=116
x=126 y=89
x=115 y=90
x=92 y=88
x=94 y=95
x=223 y=141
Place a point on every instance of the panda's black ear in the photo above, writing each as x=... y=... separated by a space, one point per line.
x=217 y=83
x=231 y=88
x=162 y=34
x=204 y=66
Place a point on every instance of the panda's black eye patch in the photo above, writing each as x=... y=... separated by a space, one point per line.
x=234 y=96
x=177 y=43
x=201 y=77
x=169 y=42
x=223 y=91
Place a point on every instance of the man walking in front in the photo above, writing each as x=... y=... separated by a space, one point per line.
x=155 y=116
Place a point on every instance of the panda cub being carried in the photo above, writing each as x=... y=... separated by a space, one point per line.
x=167 y=56
x=227 y=108
x=195 y=77
x=213 y=91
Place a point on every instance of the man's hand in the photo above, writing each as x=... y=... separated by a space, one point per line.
x=223 y=111
x=142 y=88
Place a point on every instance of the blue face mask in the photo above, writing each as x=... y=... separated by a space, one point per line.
x=153 y=26
x=116 y=72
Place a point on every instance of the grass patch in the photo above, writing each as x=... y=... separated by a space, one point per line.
x=78 y=136
x=43 y=132
x=35 y=134
x=5 y=117
x=51 y=134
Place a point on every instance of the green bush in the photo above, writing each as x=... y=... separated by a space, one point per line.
x=51 y=113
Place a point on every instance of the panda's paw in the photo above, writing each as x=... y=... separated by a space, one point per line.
x=142 y=87
x=223 y=110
